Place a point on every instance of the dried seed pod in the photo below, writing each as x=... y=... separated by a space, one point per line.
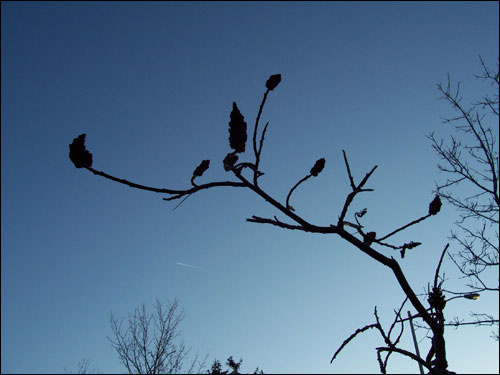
x=229 y=161
x=200 y=169
x=237 y=130
x=273 y=81
x=318 y=167
x=435 y=206
x=78 y=154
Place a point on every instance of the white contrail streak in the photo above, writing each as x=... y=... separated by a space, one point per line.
x=187 y=265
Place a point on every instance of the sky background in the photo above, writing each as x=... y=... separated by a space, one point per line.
x=152 y=86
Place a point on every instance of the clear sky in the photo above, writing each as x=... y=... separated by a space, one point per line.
x=152 y=86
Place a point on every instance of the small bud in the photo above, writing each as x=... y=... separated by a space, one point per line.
x=80 y=156
x=273 y=81
x=237 y=130
x=318 y=167
x=369 y=238
x=435 y=206
x=200 y=169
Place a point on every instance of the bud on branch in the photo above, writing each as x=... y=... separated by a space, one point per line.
x=435 y=206
x=237 y=130
x=78 y=154
x=200 y=169
x=318 y=167
x=273 y=81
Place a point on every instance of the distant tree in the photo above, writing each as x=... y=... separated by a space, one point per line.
x=83 y=367
x=150 y=342
x=470 y=161
x=367 y=241
x=233 y=367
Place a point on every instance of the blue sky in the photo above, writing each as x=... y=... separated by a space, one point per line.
x=152 y=86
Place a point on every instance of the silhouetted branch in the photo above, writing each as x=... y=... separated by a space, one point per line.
x=237 y=142
x=386 y=337
x=475 y=165
x=271 y=84
x=406 y=353
x=292 y=189
x=355 y=189
x=436 y=275
x=346 y=341
x=176 y=193
x=262 y=220
x=315 y=171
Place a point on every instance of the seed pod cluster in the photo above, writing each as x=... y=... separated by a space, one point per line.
x=318 y=167
x=273 y=81
x=435 y=206
x=200 y=169
x=78 y=154
x=237 y=130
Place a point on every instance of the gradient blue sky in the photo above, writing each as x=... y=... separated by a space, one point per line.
x=152 y=85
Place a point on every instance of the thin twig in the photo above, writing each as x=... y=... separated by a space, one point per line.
x=355 y=189
x=358 y=331
x=176 y=193
x=293 y=188
x=254 y=139
x=439 y=265
x=404 y=227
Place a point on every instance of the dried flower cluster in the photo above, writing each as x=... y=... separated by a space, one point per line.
x=200 y=169
x=318 y=167
x=273 y=81
x=78 y=154
x=435 y=206
x=237 y=130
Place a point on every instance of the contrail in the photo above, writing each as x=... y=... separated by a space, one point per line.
x=187 y=265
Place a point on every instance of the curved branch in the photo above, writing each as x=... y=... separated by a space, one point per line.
x=406 y=353
x=358 y=331
x=176 y=193
x=292 y=189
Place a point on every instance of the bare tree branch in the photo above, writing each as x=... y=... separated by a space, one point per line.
x=149 y=345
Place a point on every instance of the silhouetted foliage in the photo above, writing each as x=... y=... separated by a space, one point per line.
x=233 y=367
